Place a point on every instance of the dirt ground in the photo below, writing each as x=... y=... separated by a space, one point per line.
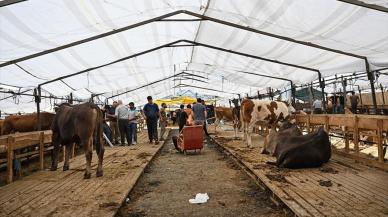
x=173 y=179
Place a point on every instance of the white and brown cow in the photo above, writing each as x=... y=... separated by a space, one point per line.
x=254 y=111
x=227 y=114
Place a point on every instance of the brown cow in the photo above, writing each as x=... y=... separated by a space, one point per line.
x=1 y=126
x=255 y=111
x=227 y=114
x=300 y=151
x=26 y=123
x=80 y=124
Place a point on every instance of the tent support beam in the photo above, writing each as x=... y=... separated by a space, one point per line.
x=10 y=2
x=159 y=18
x=143 y=86
x=322 y=86
x=91 y=38
x=110 y=63
x=203 y=88
x=365 y=5
x=38 y=94
x=309 y=44
x=372 y=84
x=172 y=43
x=249 y=55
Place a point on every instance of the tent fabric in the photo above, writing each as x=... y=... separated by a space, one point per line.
x=34 y=26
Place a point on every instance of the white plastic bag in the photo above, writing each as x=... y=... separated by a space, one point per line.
x=200 y=198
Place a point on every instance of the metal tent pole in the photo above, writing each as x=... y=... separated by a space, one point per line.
x=372 y=84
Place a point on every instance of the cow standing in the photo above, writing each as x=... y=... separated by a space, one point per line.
x=227 y=114
x=254 y=111
x=293 y=150
x=26 y=123
x=80 y=124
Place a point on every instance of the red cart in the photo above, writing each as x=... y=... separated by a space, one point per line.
x=191 y=138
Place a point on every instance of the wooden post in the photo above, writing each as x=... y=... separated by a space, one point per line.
x=11 y=141
x=356 y=135
x=41 y=150
x=327 y=129
x=371 y=79
x=346 y=139
x=380 y=140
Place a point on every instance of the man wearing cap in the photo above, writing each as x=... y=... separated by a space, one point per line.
x=133 y=115
x=151 y=113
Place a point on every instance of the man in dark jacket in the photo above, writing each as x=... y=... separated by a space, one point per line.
x=182 y=118
x=151 y=113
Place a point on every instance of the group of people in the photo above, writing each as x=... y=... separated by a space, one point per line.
x=336 y=104
x=195 y=114
x=123 y=120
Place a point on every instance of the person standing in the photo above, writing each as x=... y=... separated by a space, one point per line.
x=206 y=117
x=151 y=113
x=189 y=113
x=113 y=122
x=354 y=102
x=182 y=118
x=177 y=114
x=199 y=113
x=123 y=121
x=163 y=121
x=317 y=105
x=133 y=115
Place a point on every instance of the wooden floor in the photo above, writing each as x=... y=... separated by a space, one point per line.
x=59 y=193
x=339 y=188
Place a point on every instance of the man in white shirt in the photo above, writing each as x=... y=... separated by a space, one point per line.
x=317 y=105
x=122 y=115
x=133 y=116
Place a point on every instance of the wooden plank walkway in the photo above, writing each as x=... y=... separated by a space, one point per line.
x=47 y=193
x=339 y=188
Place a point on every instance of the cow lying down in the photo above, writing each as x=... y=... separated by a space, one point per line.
x=294 y=150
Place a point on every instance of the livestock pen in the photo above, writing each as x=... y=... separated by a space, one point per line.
x=343 y=187
x=324 y=56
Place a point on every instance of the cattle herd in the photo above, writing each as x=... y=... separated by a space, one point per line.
x=82 y=124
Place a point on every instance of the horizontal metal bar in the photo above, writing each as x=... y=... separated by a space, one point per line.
x=251 y=56
x=365 y=5
x=183 y=45
x=10 y=2
x=32 y=95
x=110 y=63
x=143 y=86
x=185 y=78
x=89 y=39
x=203 y=88
x=181 y=20
x=310 y=44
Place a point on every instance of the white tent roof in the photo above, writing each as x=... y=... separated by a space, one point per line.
x=34 y=26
